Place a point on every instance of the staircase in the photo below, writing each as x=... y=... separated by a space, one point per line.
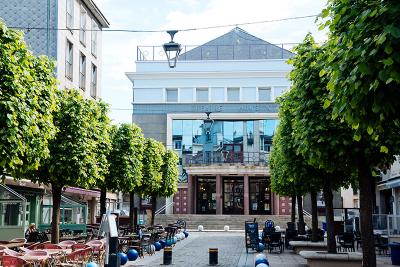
x=217 y=222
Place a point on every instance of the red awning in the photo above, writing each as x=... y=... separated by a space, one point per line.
x=81 y=191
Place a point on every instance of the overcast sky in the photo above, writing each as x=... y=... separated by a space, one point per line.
x=119 y=49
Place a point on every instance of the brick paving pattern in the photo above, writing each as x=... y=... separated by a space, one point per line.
x=194 y=252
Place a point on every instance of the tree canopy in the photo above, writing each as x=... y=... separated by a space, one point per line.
x=170 y=173
x=125 y=158
x=152 y=162
x=27 y=101
x=364 y=69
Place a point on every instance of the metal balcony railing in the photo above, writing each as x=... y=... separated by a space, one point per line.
x=227 y=157
x=220 y=52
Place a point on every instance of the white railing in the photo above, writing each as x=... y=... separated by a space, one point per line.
x=163 y=208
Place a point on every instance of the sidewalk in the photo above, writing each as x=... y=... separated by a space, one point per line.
x=193 y=251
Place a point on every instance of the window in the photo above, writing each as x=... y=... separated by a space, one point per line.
x=233 y=94
x=69 y=56
x=172 y=95
x=178 y=144
x=82 y=31
x=82 y=72
x=264 y=94
x=202 y=94
x=95 y=28
x=70 y=14
x=93 y=83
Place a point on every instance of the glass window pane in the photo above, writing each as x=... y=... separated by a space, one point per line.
x=172 y=95
x=228 y=132
x=217 y=94
x=238 y=131
x=187 y=137
x=264 y=94
x=233 y=94
x=202 y=94
x=177 y=127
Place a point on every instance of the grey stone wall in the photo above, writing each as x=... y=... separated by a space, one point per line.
x=33 y=13
x=153 y=125
x=139 y=109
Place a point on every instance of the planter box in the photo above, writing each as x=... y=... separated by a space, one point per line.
x=324 y=259
x=308 y=246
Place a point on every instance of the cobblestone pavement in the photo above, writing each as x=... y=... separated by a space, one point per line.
x=232 y=252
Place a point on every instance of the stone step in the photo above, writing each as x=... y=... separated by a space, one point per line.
x=217 y=222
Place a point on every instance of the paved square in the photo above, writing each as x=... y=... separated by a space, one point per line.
x=231 y=252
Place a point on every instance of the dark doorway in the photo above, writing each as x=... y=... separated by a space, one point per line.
x=233 y=195
x=260 y=196
x=206 y=196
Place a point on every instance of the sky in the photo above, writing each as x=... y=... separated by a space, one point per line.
x=119 y=48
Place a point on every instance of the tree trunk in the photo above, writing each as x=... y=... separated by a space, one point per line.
x=103 y=197
x=365 y=181
x=330 y=223
x=55 y=223
x=132 y=210
x=293 y=214
x=153 y=209
x=314 y=218
x=302 y=229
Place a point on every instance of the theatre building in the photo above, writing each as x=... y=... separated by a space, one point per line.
x=217 y=110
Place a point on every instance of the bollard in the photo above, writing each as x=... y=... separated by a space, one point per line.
x=167 y=259
x=213 y=254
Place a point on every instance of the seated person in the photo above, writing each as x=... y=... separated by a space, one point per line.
x=31 y=234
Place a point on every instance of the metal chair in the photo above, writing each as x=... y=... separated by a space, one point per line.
x=275 y=241
x=346 y=241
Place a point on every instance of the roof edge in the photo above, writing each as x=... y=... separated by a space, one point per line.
x=97 y=13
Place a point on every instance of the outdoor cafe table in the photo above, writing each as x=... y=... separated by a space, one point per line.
x=17 y=244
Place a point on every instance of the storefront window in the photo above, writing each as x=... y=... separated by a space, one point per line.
x=206 y=196
x=233 y=196
x=260 y=196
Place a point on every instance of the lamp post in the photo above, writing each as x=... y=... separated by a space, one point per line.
x=207 y=126
x=172 y=50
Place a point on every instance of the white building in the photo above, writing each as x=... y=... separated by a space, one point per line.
x=224 y=162
x=67 y=31
x=70 y=33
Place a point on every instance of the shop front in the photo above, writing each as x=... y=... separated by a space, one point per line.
x=230 y=195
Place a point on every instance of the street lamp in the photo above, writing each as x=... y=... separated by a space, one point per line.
x=207 y=126
x=172 y=50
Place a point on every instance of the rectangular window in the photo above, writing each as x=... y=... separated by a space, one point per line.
x=69 y=56
x=172 y=95
x=82 y=31
x=82 y=71
x=93 y=82
x=202 y=94
x=233 y=94
x=264 y=94
x=95 y=28
x=70 y=13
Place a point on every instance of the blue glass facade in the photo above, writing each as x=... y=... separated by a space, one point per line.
x=193 y=136
x=223 y=141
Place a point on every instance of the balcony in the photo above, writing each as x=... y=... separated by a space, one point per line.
x=219 y=52
x=227 y=157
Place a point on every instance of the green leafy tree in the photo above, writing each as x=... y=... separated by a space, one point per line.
x=152 y=170
x=325 y=143
x=74 y=161
x=170 y=174
x=125 y=159
x=364 y=79
x=27 y=100
x=290 y=173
